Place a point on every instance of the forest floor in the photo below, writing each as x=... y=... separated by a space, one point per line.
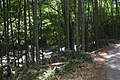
x=95 y=70
x=105 y=66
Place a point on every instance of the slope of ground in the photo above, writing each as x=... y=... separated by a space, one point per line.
x=92 y=71
x=105 y=65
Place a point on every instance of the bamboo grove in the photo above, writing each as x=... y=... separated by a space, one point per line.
x=31 y=27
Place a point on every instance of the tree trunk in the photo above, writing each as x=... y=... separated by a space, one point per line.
x=95 y=20
x=36 y=31
x=67 y=22
x=83 y=26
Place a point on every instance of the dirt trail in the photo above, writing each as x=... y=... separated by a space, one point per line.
x=113 y=62
x=105 y=66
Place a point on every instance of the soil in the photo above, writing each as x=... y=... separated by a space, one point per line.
x=92 y=71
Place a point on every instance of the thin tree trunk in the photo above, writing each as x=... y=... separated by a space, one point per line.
x=19 y=30
x=83 y=26
x=7 y=33
x=33 y=37
x=0 y=8
x=30 y=32
x=78 y=25
x=87 y=28
x=58 y=29
x=25 y=25
x=117 y=12
x=67 y=22
x=36 y=31
x=96 y=26
x=40 y=29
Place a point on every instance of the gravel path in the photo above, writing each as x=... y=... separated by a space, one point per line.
x=113 y=62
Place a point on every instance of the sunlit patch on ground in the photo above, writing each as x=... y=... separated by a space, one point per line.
x=92 y=71
x=100 y=57
x=113 y=62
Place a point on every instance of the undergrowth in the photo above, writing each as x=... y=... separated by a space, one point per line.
x=75 y=62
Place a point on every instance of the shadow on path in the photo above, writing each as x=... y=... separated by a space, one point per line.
x=113 y=62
